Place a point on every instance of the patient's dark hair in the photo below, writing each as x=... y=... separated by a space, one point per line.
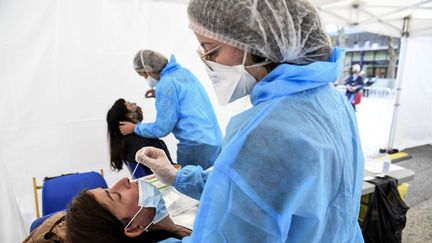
x=115 y=115
x=89 y=221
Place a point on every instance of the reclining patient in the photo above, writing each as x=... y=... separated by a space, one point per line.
x=127 y=212
x=123 y=148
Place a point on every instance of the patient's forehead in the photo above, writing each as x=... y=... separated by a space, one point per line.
x=99 y=194
x=117 y=206
x=102 y=197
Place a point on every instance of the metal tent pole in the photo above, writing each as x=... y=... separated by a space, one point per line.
x=399 y=79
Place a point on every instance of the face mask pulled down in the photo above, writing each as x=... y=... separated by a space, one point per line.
x=150 y=197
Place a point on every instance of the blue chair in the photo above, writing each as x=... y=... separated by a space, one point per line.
x=140 y=172
x=57 y=192
x=39 y=221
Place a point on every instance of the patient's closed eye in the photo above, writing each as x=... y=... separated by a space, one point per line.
x=116 y=197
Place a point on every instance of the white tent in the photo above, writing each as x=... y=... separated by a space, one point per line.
x=63 y=64
x=412 y=21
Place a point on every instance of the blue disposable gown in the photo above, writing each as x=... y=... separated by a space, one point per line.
x=291 y=167
x=190 y=180
x=183 y=108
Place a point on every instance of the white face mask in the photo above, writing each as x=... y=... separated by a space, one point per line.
x=231 y=82
x=152 y=82
x=150 y=197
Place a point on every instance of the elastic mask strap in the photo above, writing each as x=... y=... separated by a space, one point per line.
x=134 y=218
x=244 y=57
x=146 y=228
x=209 y=52
x=254 y=65
x=142 y=61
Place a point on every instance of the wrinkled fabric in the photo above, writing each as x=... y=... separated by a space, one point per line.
x=149 y=61
x=386 y=212
x=283 y=31
x=289 y=79
x=53 y=229
x=184 y=109
x=190 y=180
x=203 y=155
x=291 y=167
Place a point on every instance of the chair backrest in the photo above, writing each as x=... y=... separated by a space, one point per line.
x=40 y=220
x=58 y=192
x=140 y=172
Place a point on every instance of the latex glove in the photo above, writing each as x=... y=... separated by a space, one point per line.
x=126 y=128
x=158 y=162
x=151 y=93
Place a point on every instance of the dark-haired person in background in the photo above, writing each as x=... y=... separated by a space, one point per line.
x=124 y=147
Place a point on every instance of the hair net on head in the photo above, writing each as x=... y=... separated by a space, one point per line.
x=149 y=61
x=280 y=30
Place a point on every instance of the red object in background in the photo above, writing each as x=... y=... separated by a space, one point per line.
x=357 y=98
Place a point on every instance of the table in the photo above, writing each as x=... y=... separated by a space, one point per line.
x=402 y=175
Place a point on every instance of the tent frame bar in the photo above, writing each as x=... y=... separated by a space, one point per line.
x=399 y=79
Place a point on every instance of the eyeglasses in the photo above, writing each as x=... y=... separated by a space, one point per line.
x=205 y=55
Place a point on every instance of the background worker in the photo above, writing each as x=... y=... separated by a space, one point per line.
x=183 y=108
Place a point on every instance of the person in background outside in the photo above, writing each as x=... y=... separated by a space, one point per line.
x=354 y=83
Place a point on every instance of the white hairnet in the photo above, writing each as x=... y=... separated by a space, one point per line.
x=149 y=61
x=279 y=30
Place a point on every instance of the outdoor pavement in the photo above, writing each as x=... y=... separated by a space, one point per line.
x=374 y=116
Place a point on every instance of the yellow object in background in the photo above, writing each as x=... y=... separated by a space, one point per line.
x=402 y=189
x=396 y=157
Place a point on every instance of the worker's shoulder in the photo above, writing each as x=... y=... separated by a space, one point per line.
x=298 y=113
x=179 y=75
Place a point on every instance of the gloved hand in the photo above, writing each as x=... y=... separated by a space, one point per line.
x=158 y=162
x=151 y=93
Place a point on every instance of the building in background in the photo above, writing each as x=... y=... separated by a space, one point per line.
x=376 y=54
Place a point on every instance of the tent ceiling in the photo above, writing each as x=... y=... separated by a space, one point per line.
x=379 y=16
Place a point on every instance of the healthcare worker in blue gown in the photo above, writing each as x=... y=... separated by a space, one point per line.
x=183 y=108
x=291 y=167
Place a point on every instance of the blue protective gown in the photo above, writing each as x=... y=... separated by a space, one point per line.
x=291 y=167
x=190 y=180
x=184 y=109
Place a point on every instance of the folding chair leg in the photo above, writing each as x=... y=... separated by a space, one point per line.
x=35 y=188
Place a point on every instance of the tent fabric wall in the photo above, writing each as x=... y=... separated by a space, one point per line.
x=378 y=16
x=12 y=226
x=63 y=64
x=414 y=124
